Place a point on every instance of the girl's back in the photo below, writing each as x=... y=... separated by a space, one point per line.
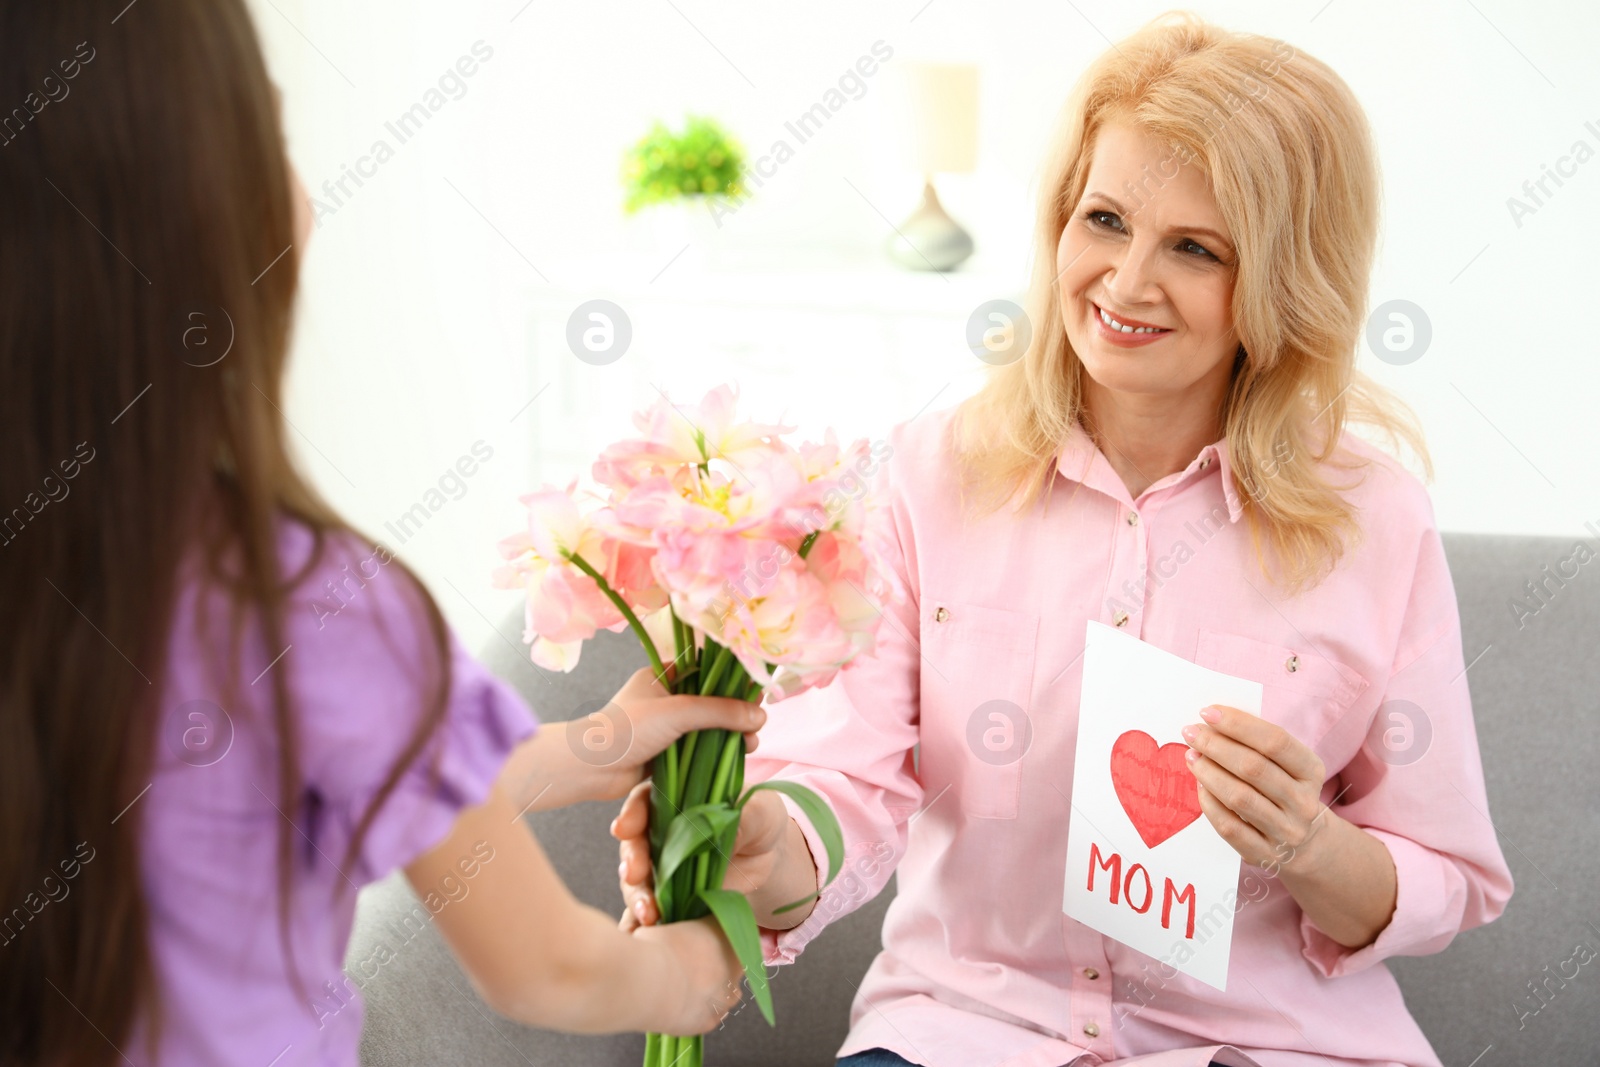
x=354 y=656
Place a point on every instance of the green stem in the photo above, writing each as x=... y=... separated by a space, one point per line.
x=688 y=742
x=627 y=612
x=677 y=644
x=732 y=746
x=713 y=677
x=702 y=871
x=733 y=684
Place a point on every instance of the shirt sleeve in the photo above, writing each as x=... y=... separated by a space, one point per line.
x=1417 y=785
x=484 y=720
x=365 y=673
x=851 y=741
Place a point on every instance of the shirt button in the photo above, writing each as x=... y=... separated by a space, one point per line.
x=940 y=615
x=1206 y=462
x=1091 y=1029
x=1090 y=973
x=1292 y=664
x=1120 y=618
x=1133 y=518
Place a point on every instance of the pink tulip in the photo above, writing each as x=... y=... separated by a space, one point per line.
x=675 y=438
x=707 y=515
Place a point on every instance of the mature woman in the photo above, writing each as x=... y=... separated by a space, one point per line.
x=1170 y=457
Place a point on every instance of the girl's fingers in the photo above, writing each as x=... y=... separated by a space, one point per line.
x=713 y=713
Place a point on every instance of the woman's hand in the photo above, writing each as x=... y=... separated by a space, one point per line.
x=756 y=852
x=1260 y=786
x=602 y=755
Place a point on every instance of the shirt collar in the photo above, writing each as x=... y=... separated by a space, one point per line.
x=1081 y=461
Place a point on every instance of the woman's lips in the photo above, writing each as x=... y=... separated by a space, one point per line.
x=1119 y=338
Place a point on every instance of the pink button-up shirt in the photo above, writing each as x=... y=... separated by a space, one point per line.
x=979 y=965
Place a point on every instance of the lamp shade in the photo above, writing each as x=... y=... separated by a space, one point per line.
x=936 y=115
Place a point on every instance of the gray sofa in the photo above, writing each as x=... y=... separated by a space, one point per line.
x=1534 y=695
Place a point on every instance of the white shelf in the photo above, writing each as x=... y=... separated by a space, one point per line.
x=852 y=344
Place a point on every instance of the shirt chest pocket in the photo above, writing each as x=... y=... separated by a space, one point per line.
x=977 y=692
x=1303 y=691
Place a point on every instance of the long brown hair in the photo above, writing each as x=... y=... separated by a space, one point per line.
x=144 y=194
x=1286 y=149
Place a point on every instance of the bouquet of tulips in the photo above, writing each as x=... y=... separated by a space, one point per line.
x=751 y=566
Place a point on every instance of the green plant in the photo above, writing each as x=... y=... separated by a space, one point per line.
x=701 y=160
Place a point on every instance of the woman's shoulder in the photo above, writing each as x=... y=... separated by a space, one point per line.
x=1380 y=477
x=1392 y=504
x=921 y=447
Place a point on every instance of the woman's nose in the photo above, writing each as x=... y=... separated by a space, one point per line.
x=1131 y=280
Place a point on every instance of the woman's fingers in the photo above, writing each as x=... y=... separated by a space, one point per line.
x=1240 y=835
x=634 y=817
x=1270 y=740
x=634 y=875
x=1244 y=763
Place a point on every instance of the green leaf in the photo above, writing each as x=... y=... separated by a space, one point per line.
x=738 y=922
x=697 y=775
x=818 y=812
x=724 y=856
x=796 y=904
x=693 y=831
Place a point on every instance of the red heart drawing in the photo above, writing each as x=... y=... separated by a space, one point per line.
x=1154 y=785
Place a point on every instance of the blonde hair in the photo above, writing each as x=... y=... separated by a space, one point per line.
x=1288 y=155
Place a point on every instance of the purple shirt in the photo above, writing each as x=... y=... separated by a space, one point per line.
x=210 y=819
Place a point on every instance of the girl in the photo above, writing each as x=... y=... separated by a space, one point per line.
x=223 y=709
x=1168 y=457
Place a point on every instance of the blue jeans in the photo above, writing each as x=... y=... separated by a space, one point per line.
x=874 y=1057
x=882 y=1057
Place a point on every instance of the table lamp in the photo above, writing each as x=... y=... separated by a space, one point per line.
x=937 y=115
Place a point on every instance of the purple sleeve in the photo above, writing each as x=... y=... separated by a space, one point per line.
x=363 y=669
x=484 y=720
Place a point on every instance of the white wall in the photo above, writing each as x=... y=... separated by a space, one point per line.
x=413 y=318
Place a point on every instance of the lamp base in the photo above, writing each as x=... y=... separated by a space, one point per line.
x=930 y=239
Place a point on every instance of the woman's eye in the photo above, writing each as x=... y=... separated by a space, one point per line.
x=1095 y=218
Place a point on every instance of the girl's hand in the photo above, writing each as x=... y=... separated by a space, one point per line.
x=621 y=739
x=710 y=973
x=762 y=826
x=1259 y=785
x=601 y=755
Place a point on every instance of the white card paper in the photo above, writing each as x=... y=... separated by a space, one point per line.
x=1144 y=865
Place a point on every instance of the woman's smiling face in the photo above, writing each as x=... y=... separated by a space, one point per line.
x=1153 y=252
